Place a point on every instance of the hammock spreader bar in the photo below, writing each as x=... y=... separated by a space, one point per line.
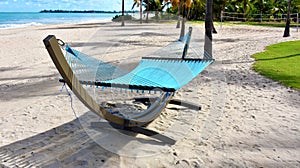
x=124 y=86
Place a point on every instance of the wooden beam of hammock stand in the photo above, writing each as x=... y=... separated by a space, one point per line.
x=75 y=85
x=178 y=102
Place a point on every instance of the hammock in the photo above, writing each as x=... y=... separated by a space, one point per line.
x=152 y=74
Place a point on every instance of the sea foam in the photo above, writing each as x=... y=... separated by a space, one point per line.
x=6 y=26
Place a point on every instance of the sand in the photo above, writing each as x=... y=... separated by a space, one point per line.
x=246 y=120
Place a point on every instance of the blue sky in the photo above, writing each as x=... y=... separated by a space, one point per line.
x=38 y=5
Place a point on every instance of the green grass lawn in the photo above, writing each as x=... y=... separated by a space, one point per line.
x=280 y=62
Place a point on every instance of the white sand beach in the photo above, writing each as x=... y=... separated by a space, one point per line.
x=246 y=120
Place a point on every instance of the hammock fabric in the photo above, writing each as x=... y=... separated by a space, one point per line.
x=152 y=73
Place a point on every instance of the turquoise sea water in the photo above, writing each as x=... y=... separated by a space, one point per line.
x=23 y=19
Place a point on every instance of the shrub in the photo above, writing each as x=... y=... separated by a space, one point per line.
x=118 y=18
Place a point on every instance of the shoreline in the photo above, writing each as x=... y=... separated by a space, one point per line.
x=35 y=24
x=29 y=19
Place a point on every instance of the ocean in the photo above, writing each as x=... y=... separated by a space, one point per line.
x=24 y=19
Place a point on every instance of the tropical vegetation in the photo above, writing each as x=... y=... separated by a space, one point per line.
x=241 y=10
x=246 y=8
x=118 y=18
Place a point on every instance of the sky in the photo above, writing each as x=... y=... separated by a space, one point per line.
x=38 y=5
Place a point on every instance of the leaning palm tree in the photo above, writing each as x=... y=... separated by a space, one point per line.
x=123 y=24
x=208 y=30
x=287 y=25
x=183 y=18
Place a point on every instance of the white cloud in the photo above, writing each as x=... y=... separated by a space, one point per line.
x=3 y=2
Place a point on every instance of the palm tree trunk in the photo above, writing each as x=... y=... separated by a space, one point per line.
x=168 y=10
x=208 y=30
x=245 y=6
x=178 y=8
x=147 y=17
x=141 y=12
x=261 y=12
x=287 y=25
x=183 y=19
x=123 y=24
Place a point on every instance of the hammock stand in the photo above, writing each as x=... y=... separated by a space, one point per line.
x=69 y=77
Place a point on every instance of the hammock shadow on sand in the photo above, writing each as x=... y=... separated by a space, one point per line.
x=4 y=69
x=284 y=57
x=79 y=26
x=29 y=77
x=28 y=90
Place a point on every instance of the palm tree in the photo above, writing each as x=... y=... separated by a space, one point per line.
x=150 y=5
x=141 y=12
x=218 y=6
x=176 y=4
x=183 y=19
x=287 y=25
x=138 y=3
x=278 y=6
x=208 y=30
x=197 y=9
x=157 y=7
x=123 y=24
x=243 y=6
x=147 y=9
x=186 y=5
x=167 y=3
x=260 y=4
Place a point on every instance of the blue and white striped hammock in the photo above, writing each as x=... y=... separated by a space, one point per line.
x=152 y=73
